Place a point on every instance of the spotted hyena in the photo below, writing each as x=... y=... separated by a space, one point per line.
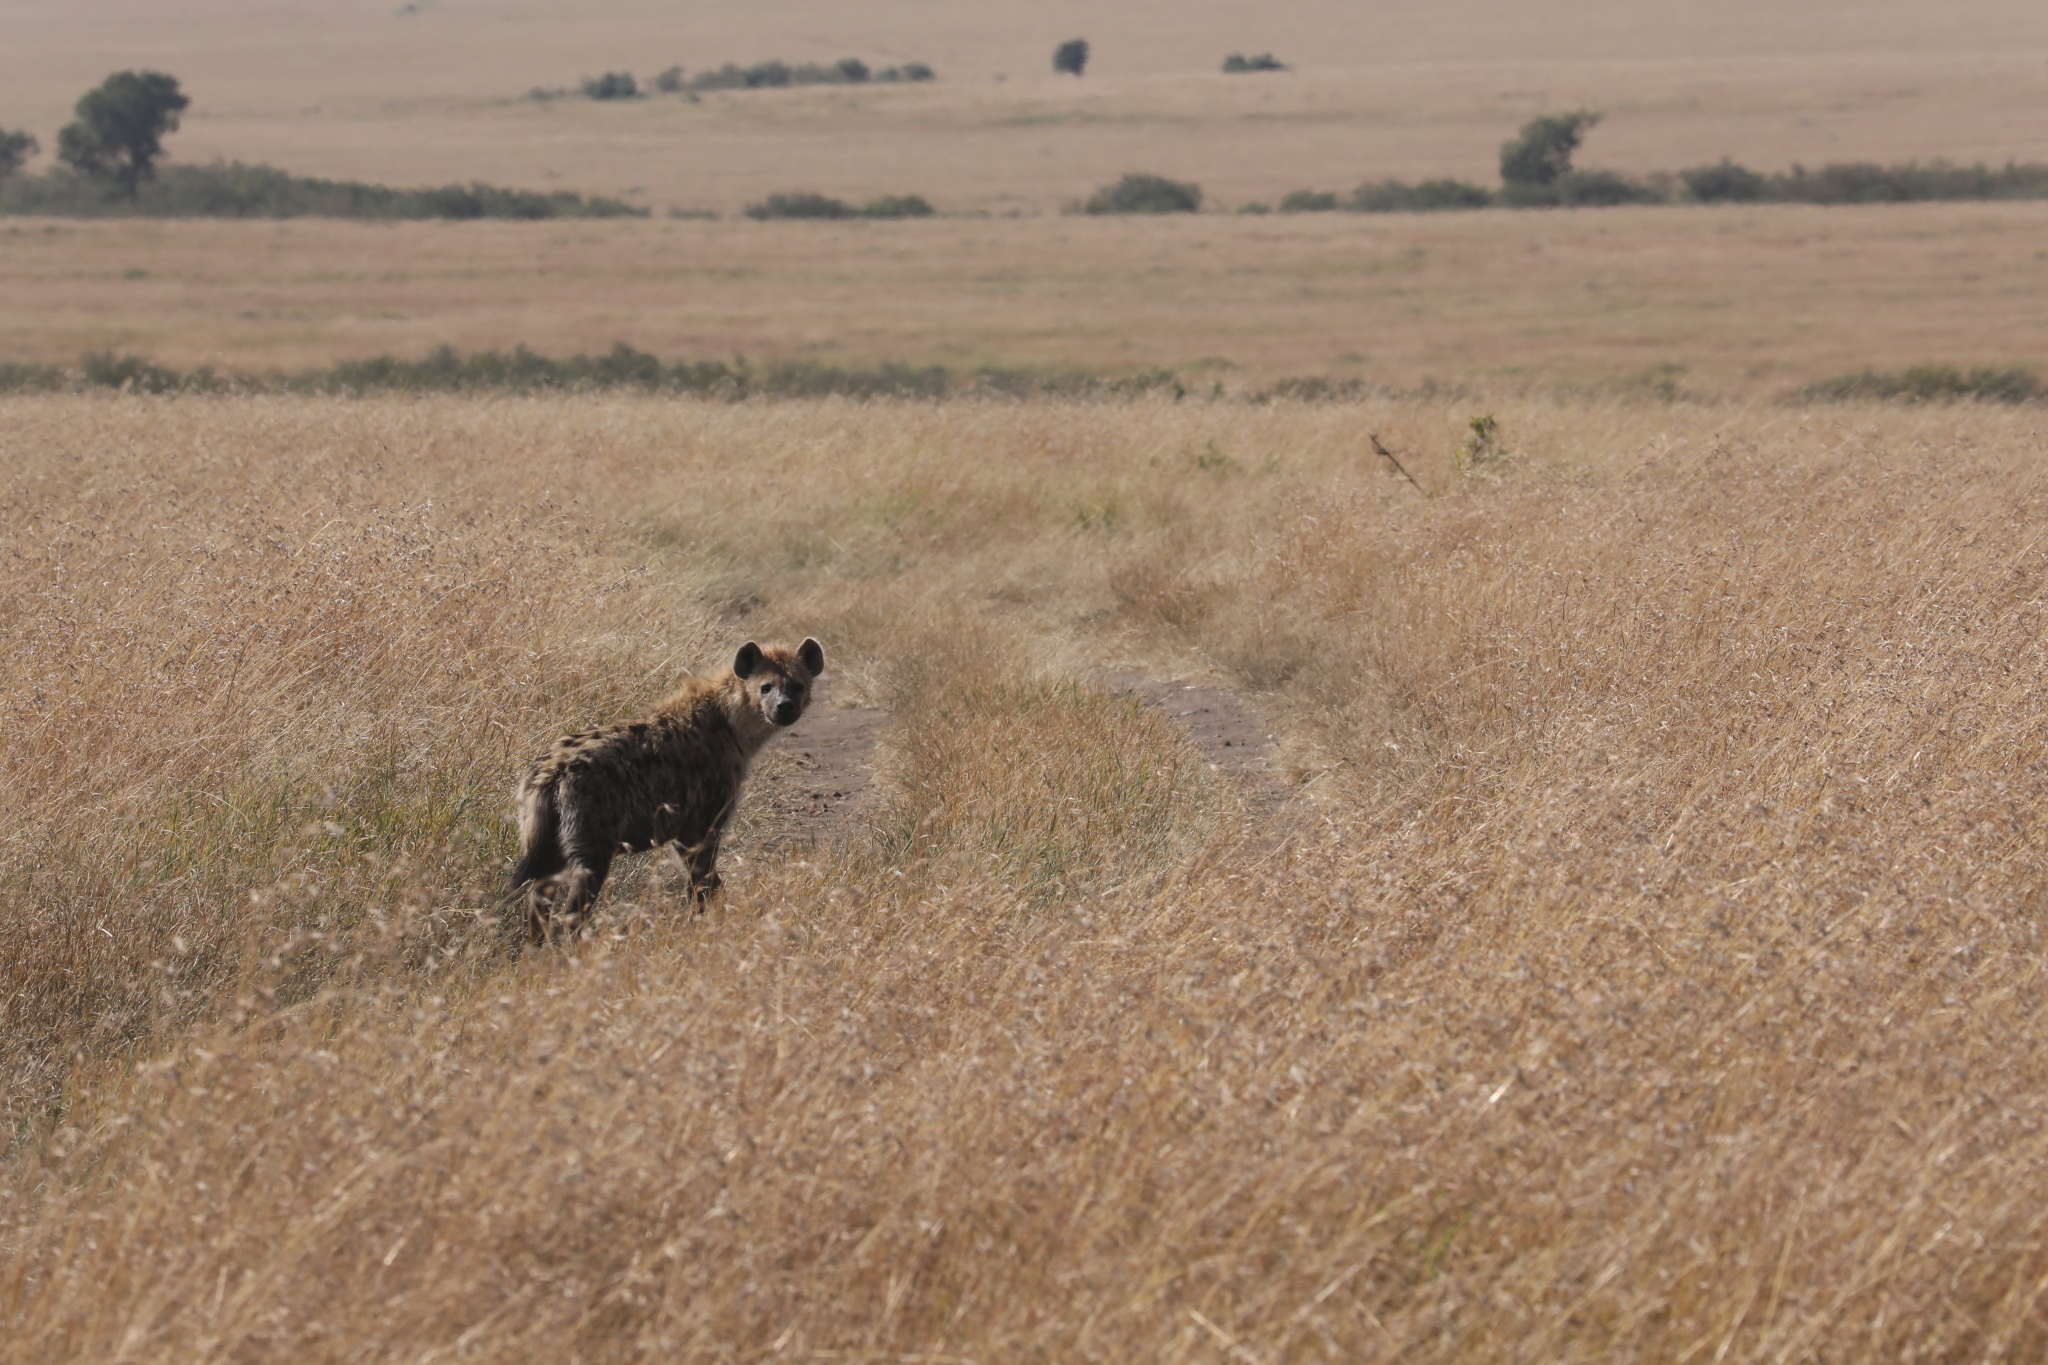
x=670 y=777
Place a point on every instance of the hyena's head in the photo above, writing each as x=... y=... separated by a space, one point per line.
x=779 y=680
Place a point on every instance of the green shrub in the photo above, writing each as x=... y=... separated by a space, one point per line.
x=670 y=82
x=1601 y=189
x=1929 y=384
x=19 y=378
x=15 y=148
x=104 y=369
x=898 y=206
x=612 y=85
x=1726 y=183
x=1308 y=201
x=1434 y=195
x=1237 y=63
x=801 y=204
x=1138 y=192
x=1396 y=196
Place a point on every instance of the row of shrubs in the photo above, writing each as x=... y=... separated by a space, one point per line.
x=769 y=75
x=520 y=370
x=236 y=190
x=446 y=370
x=804 y=204
x=1859 y=182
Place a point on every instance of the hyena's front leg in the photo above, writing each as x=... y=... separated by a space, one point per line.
x=702 y=860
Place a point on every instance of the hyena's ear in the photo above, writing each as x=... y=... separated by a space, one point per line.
x=811 y=655
x=747 y=660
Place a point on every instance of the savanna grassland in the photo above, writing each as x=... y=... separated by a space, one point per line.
x=1644 y=964
x=1639 y=957
x=1723 y=301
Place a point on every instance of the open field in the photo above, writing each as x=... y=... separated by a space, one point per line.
x=1644 y=965
x=436 y=94
x=1720 y=301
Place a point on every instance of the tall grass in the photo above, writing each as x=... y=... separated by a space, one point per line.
x=1646 y=967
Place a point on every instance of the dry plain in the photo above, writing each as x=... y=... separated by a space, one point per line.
x=1642 y=961
x=1646 y=964
x=1733 y=301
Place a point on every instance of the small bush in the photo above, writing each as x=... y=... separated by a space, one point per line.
x=801 y=204
x=1237 y=63
x=898 y=206
x=612 y=85
x=1139 y=192
x=1726 y=183
x=1071 y=57
x=670 y=82
x=130 y=373
x=1308 y=201
x=1601 y=189
x=1929 y=384
x=20 y=378
x=1433 y=195
x=15 y=148
x=1396 y=196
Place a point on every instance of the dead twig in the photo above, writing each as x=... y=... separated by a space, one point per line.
x=1398 y=466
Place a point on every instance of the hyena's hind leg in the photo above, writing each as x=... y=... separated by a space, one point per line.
x=557 y=906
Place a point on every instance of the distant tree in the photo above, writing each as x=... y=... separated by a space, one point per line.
x=1542 y=152
x=1237 y=64
x=1070 y=57
x=669 y=81
x=120 y=127
x=15 y=148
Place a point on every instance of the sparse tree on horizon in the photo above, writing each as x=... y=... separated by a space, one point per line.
x=1541 y=154
x=1070 y=57
x=120 y=127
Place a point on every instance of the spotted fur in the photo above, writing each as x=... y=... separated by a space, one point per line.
x=671 y=777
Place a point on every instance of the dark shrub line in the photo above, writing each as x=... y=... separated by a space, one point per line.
x=768 y=75
x=236 y=190
x=523 y=371
x=1929 y=384
x=446 y=370
x=1237 y=64
x=806 y=204
x=1858 y=182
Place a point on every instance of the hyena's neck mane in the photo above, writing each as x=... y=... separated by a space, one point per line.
x=727 y=694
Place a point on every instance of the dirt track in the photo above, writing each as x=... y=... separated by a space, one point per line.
x=819 y=773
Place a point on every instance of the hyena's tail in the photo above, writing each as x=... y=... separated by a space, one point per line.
x=540 y=834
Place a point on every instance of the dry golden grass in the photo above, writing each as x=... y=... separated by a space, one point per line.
x=1646 y=969
x=1746 y=301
